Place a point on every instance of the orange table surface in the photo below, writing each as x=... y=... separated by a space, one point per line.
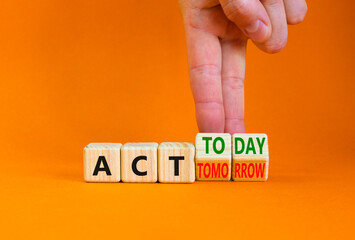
x=50 y=200
x=75 y=72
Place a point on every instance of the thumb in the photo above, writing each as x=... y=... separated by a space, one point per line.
x=250 y=16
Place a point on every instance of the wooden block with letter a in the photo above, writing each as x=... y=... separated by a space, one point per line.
x=250 y=157
x=139 y=162
x=102 y=162
x=176 y=162
x=213 y=156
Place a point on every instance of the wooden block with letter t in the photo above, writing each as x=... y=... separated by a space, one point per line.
x=250 y=157
x=213 y=156
x=102 y=162
x=176 y=162
x=139 y=162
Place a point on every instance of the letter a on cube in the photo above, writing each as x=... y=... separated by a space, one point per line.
x=250 y=157
x=176 y=162
x=139 y=162
x=102 y=162
x=213 y=156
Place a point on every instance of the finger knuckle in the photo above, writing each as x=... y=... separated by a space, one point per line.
x=234 y=82
x=234 y=8
x=236 y=119
x=209 y=103
x=272 y=3
x=207 y=70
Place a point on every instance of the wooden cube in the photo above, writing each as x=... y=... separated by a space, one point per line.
x=176 y=162
x=213 y=156
x=250 y=157
x=102 y=162
x=139 y=162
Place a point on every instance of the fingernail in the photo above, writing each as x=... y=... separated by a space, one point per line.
x=257 y=31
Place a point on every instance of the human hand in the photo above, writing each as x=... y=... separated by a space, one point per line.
x=216 y=33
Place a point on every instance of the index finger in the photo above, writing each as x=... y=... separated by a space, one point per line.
x=204 y=54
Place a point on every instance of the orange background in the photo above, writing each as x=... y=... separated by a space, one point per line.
x=75 y=72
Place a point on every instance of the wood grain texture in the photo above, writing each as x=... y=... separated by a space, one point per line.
x=129 y=152
x=111 y=152
x=185 y=173
x=213 y=160
x=250 y=157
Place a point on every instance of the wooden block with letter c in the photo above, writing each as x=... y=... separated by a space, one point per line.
x=139 y=162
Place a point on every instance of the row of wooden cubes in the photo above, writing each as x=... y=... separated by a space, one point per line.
x=218 y=156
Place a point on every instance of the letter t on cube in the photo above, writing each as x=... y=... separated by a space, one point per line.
x=213 y=156
x=176 y=162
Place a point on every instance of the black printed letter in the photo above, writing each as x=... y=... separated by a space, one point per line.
x=134 y=165
x=105 y=168
x=176 y=163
